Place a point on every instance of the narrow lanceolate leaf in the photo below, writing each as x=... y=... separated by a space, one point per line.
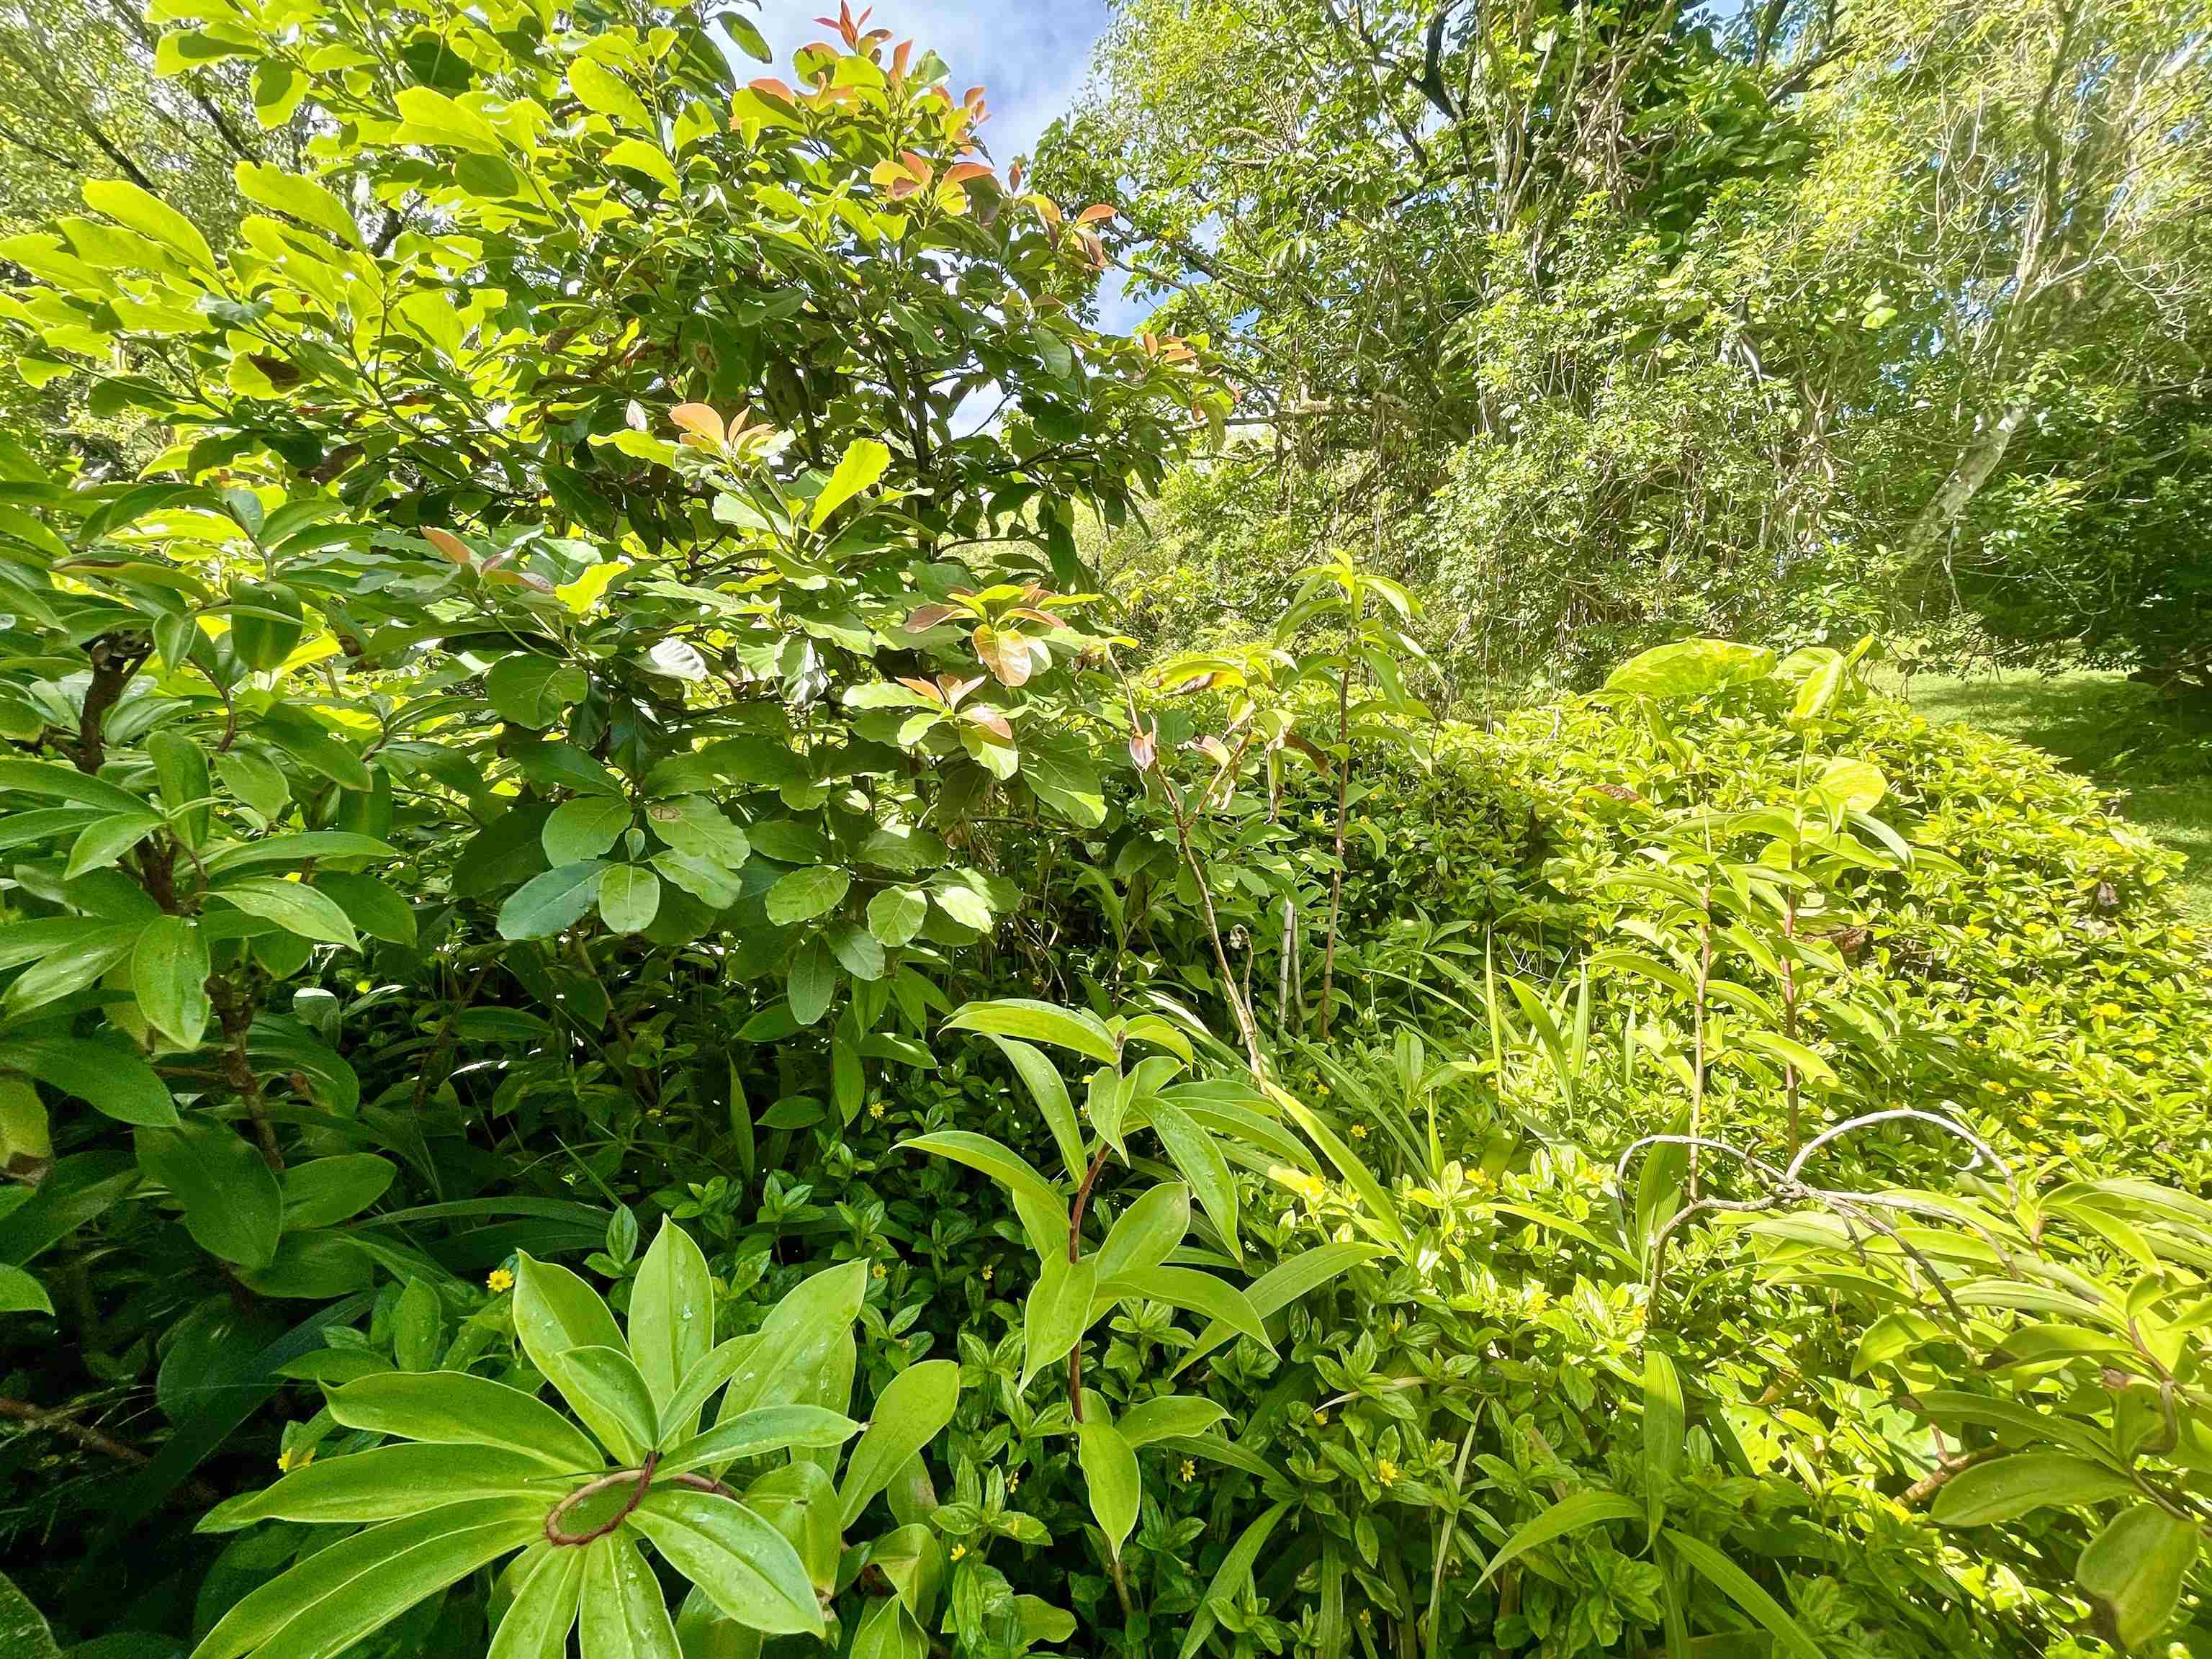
x=910 y=1412
x=1037 y=1022
x=623 y=1614
x=748 y=1568
x=1348 y=1164
x=609 y=1377
x=1058 y=1311
x=1232 y=1576
x=799 y=1330
x=1049 y=1091
x=1043 y=1211
x=114 y=1080
x=1200 y=1293
x=2009 y=1487
x=1169 y=1415
x=339 y=1594
x=1740 y=1588
x=2132 y=1573
x=169 y=971
x=1584 y=1509
x=679 y=1414
x=388 y=1483
x=544 y=1610
x=293 y=906
x=455 y=1408
x=1110 y=1472
x=758 y=1432
x=1147 y=1231
x=1279 y=1286
x=1200 y=1162
x=671 y=1316
x=1664 y=1425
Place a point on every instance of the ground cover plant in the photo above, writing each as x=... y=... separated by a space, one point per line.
x=630 y=1022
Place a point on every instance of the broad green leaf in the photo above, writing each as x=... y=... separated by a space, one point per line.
x=2006 y=1488
x=22 y=1293
x=598 y=88
x=1200 y=1292
x=70 y=967
x=1690 y=668
x=2132 y=1573
x=622 y=1613
x=630 y=897
x=325 y=1191
x=584 y=828
x=341 y=1594
x=672 y=1318
x=758 y=1432
x=802 y=895
x=610 y=1379
x=530 y=690
x=1110 y=1472
x=169 y=972
x=818 y=1313
x=554 y=1312
x=104 y=840
x=233 y=1206
x=1733 y=1581
x=888 y=1631
x=387 y=1482
x=651 y=160
x=374 y=908
x=457 y=1409
x=812 y=982
x=748 y=1568
x=1037 y=1022
x=1583 y=1509
x=915 y=1406
x=913 y=1560
x=30 y=777
x=895 y=914
x=149 y=215
x=303 y=198
x=1147 y=1232
x=180 y=767
x=293 y=906
x=864 y=462
x=545 y=904
x=537 y=1622
x=113 y=1080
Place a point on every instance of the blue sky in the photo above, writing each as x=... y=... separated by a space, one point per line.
x=1030 y=55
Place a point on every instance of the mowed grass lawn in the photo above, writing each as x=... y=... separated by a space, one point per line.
x=2122 y=735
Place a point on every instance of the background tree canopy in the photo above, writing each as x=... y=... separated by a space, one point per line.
x=719 y=939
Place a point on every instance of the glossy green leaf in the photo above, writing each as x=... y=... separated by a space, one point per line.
x=169 y=971
x=748 y=1568
x=913 y=1409
x=672 y=1318
x=1058 y=1311
x=233 y=1206
x=455 y=1408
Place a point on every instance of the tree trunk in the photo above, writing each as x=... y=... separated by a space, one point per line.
x=1984 y=454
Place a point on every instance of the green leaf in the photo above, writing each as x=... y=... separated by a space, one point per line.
x=895 y=914
x=610 y=1379
x=1169 y=1414
x=581 y=829
x=303 y=198
x=1230 y=1579
x=671 y=1319
x=325 y=1191
x=456 y=1408
x=554 y=1312
x=169 y=972
x=21 y=1293
x=386 y=1483
x=1690 y=668
x=1037 y=1022
x=912 y=1410
x=233 y=1206
x=630 y=897
x=357 y=1586
x=864 y=462
x=531 y=689
x=598 y=88
x=1348 y=1163
x=537 y=1622
x=758 y=1432
x=1043 y=1213
x=293 y=906
x=622 y=1614
x=24 y=1632
x=113 y=1079
x=149 y=215
x=1664 y=1426
x=372 y=906
x=650 y=159
x=1583 y=1509
x=545 y=904
x=2008 y=1488
x=1200 y=1293
x=180 y=767
x=1109 y=1474
x=69 y=968
x=297 y=848
x=1147 y=1232
x=1279 y=1286
x=748 y=1568
x=679 y=1413
x=802 y=895
x=29 y=777
x=813 y=980
x=817 y=1314
x=1049 y=1091
x=2132 y=1573
x=1200 y=1162
x=1741 y=1588
x=104 y=840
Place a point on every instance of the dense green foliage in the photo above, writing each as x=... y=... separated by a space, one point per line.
x=627 y=1015
x=1605 y=323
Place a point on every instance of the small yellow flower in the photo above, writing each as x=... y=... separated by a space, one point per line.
x=986 y=1272
x=1366 y=1619
x=1189 y=1472
x=1385 y=1470
x=1359 y=1132
x=499 y=1281
x=877 y=1270
x=1014 y=1482
x=286 y=1462
x=876 y=1110
x=959 y=1549
x=1321 y=1418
